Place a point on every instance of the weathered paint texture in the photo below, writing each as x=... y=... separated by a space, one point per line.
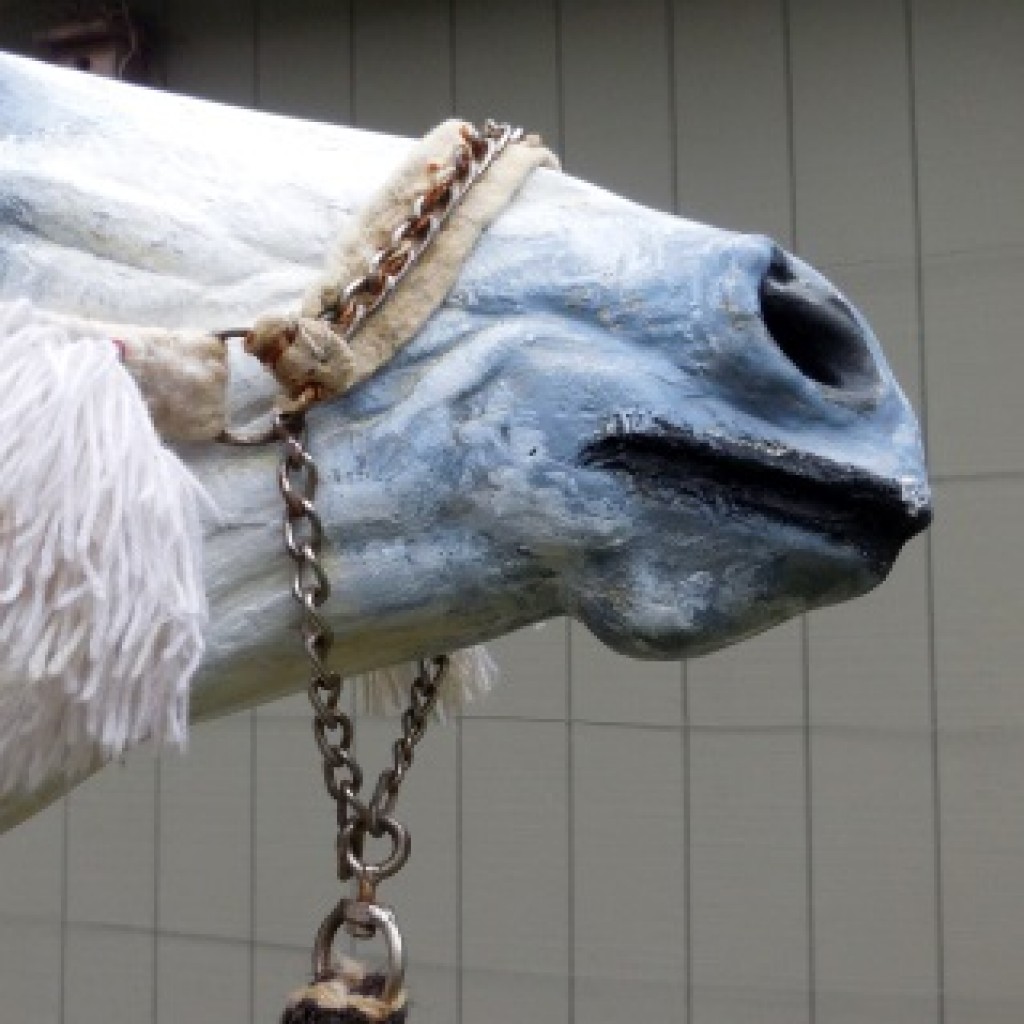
x=597 y=422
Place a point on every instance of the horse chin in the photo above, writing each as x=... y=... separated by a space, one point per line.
x=699 y=596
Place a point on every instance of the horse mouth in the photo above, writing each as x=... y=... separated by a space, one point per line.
x=747 y=477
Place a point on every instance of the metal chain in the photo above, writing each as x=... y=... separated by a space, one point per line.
x=333 y=729
x=348 y=307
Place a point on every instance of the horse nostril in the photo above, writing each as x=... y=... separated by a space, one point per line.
x=815 y=328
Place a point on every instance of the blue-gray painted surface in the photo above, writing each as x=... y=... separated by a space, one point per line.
x=457 y=490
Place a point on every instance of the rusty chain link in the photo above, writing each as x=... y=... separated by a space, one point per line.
x=346 y=308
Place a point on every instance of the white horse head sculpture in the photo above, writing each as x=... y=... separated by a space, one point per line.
x=678 y=435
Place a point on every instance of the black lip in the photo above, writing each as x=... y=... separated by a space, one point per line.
x=837 y=500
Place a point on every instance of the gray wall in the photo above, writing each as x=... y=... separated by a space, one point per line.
x=822 y=825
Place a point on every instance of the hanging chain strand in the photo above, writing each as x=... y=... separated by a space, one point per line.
x=333 y=729
x=346 y=308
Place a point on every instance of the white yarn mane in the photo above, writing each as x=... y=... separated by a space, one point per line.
x=102 y=606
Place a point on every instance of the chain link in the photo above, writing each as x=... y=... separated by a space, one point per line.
x=333 y=728
x=348 y=307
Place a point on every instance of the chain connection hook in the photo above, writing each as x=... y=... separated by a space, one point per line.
x=371 y=918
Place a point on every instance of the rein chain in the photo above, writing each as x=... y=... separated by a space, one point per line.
x=345 y=309
x=334 y=729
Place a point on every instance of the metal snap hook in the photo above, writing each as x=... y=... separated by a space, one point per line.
x=370 y=918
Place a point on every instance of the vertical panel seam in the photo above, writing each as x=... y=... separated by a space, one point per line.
x=805 y=660
x=571 y=828
x=560 y=76
x=673 y=127
x=933 y=687
x=253 y=859
x=157 y=822
x=61 y=1001
x=352 y=76
x=787 y=73
x=452 y=71
x=459 y=898
x=684 y=671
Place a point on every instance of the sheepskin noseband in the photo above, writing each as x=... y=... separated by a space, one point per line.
x=304 y=353
x=102 y=609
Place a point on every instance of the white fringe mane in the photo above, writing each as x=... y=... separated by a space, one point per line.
x=102 y=606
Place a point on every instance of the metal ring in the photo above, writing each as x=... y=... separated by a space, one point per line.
x=401 y=845
x=374 y=918
x=227 y=436
x=280 y=427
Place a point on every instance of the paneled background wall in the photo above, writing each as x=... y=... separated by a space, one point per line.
x=822 y=826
